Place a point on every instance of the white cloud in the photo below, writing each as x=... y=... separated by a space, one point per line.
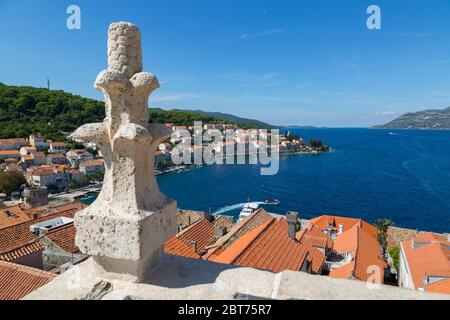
x=246 y=36
x=385 y=113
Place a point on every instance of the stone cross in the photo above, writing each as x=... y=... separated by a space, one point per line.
x=125 y=228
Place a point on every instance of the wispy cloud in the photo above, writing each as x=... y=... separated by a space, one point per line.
x=247 y=36
x=385 y=113
x=173 y=97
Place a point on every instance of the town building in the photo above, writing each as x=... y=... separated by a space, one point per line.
x=12 y=144
x=19 y=243
x=57 y=147
x=9 y=154
x=425 y=263
x=37 y=141
x=77 y=156
x=92 y=166
x=50 y=176
x=56 y=158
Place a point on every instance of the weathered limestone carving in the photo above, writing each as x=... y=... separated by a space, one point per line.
x=126 y=226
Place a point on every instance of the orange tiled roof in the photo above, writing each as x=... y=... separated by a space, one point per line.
x=203 y=232
x=366 y=253
x=27 y=157
x=58 y=144
x=9 y=152
x=253 y=221
x=18 y=240
x=431 y=257
x=315 y=237
x=344 y=272
x=324 y=221
x=274 y=250
x=21 y=251
x=442 y=286
x=13 y=141
x=92 y=163
x=177 y=247
x=16 y=281
x=64 y=237
x=12 y=215
x=269 y=247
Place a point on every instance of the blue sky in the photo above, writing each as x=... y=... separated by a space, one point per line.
x=285 y=62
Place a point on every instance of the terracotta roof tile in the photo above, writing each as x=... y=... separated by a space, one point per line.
x=429 y=256
x=9 y=153
x=16 y=281
x=324 y=221
x=64 y=237
x=18 y=239
x=253 y=221
x=366 y=253
x=269 y=247
x=10 y=216
x=440 y=287
x=315 y=237
x=202 y=232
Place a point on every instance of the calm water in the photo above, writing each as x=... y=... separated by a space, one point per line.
x=403 y=175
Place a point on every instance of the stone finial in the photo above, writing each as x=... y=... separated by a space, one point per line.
x=126 y=226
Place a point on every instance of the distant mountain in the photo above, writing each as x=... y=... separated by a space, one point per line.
x=427 y=119
x=234 y=119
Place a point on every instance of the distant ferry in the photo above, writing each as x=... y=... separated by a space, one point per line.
x=248 y=209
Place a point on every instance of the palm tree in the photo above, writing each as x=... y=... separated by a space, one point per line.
x=383 y=225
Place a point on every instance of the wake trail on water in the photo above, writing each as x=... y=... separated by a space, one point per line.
x=236 y=207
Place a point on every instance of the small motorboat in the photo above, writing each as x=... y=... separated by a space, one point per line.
x=272 y=202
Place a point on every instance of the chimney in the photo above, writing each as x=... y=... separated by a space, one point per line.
x=220 y=232
x=292 y=220
x=194 y=245
x=341 y=228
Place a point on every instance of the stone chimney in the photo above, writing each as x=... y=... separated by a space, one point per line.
x=220 y=231
x=194 y=245
x=125 y=228
x=292 y=220
x=35 y=197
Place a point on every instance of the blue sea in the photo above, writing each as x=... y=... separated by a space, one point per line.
x=403 y=175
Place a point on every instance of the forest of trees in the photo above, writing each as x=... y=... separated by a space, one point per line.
x=27 y=110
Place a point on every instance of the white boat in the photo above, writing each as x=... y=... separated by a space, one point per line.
x=248 y=209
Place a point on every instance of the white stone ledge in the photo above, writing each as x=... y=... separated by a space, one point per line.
x=186 y=279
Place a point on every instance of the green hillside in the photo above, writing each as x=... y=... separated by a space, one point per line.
x=27 y=110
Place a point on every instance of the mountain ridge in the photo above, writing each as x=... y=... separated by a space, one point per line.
x=435 y=119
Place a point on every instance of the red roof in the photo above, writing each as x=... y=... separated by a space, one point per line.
x=64 y=237
x=428 y=254
x=13 y=141
x=315 y=237
x=202 y=232
x=324 y=222
x=269 y=247
x=17 y=281
x=365 y=251
x=18 y=241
